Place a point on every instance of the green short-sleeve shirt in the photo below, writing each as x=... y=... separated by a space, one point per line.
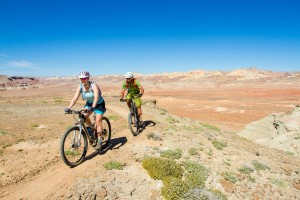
x=132 y=89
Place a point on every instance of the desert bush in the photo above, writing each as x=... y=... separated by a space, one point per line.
x=259 y=166
x=113 y=165
x=290 y=153
x=58 y=99
x=226 y=162
x=171 y=120
x=174 y=188
x=71 y=152
x=252 y=179
x=171 y=154
x=218 y=144
x=278 y=182
x=193 y=128
x=160 y=168
x=204 y=194
x=209 y=152
x=208 y=126
x=229 y=176
x=193 y=151
x=112 y=117
x=195 y=174
x=34 y=125
x=153 y=136
x=2 y=132
x=246 y=169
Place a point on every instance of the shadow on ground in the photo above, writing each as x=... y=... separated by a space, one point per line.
x=115 y=143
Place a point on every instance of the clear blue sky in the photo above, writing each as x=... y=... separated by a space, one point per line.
x=62 y=37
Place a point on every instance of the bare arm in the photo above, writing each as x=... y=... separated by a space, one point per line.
x=122 y=93
x=141 y=90
x=75 y=98
x=96 y=95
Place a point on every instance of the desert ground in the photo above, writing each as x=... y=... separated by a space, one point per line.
x=189 y=111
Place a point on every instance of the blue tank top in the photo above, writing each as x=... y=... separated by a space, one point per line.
x=88 y=95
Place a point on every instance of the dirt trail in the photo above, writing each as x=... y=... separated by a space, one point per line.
x=57 y=179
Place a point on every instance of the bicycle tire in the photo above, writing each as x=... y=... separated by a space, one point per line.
x=107 y=130
x=70 y=153
x=134 y=130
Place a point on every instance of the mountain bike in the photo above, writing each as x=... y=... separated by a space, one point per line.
x=74 y=143
x=134 y=122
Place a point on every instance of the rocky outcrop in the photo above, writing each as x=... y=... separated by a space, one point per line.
x=279 y=130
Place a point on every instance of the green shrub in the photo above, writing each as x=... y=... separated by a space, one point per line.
x=154 y=136
x=252 y=179
x=113 y=165
x=193 y=128
x=58 y=99
x=160 y=168
x=112 y=117
x=34 y=125
x=171 y=120
x=70 y=152
x=204 y=194
x=210 y=152
x=218 y=194
x=174 y=188
x=290 y=153
x=195 y=174
x=227 y=163
x=229 y=176
x=246 y=170
x=259 y=166
x=278 y=182
x=171 y=154
x=193 y=151
x=218 y=144
x=2 y=132
x=208 y=126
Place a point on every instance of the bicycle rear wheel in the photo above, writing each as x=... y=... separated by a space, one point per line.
x=73 y=146
x=106 y=134
x=133 y=123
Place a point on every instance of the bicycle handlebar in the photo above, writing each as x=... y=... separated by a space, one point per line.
x=77 y=111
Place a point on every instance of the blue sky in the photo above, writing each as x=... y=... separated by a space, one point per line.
x=63 y=37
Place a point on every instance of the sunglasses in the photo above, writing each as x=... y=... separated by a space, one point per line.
x=83 y=79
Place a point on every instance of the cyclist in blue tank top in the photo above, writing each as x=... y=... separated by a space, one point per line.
x=94 y=102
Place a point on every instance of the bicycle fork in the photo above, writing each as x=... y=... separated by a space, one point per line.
x=74 y=144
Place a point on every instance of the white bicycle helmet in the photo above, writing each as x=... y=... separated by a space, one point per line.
x=84 y=74
x=128 y=75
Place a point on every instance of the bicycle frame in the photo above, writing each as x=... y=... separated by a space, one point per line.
x=80 y=122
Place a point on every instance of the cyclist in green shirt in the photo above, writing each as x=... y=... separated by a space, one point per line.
x=134 y=88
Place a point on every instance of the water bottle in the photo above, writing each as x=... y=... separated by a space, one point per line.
x=90 y=131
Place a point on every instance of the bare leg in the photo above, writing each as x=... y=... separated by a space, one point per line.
x=139 y=110
x=99 y=125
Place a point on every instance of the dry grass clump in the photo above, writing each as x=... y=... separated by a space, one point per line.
x=171 y=154
x=219 y=144
x=113 y=165
x=195 y=174
x=154 y=136
x=229 y=176
x=259 y=166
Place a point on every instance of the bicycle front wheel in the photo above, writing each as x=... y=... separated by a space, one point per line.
x=106 y=132
x=133 y=123
x=73 y=146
